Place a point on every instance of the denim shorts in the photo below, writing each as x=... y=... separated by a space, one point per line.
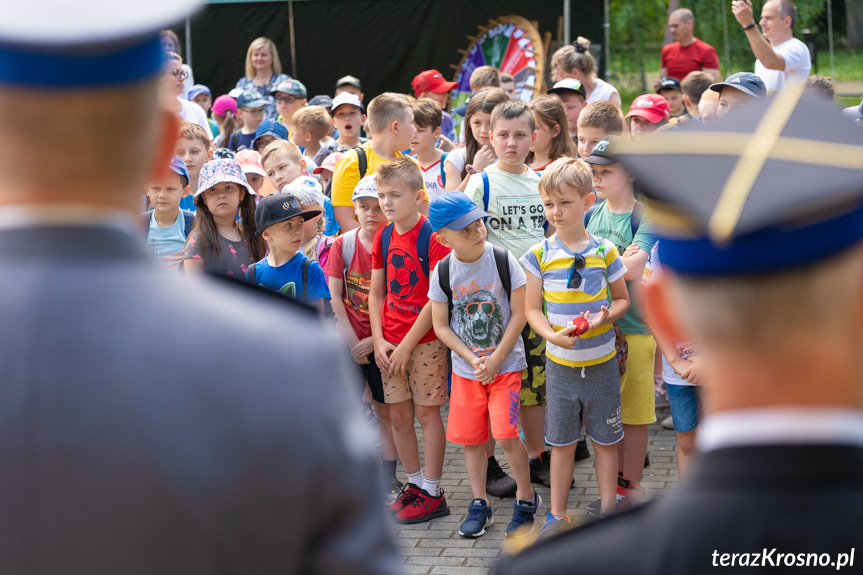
x=685 y=405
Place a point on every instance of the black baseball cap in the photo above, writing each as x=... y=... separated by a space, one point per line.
x=669 y=84
x=278 y=208
x=603 y=152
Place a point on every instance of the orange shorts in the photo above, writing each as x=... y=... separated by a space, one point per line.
x=473 y=404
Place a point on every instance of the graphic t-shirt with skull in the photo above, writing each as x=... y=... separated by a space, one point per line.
x=481 y=309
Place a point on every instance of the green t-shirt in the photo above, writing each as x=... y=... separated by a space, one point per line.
x=516 y=217
x=617 y=228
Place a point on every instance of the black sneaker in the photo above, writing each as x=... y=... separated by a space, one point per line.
x=581 y=451
x=392 y=488
x=497 y=482
x=647 y=460
x=540 y=469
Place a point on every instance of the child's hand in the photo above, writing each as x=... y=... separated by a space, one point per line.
x=399 y=360
x=631 y=250
x=490 y=365
x=598 y=319
x=564 y=338
x=383 y=348
x=695 y=373
x=446 y=144
x=680 y=365
x=483 y=159
x=362 y=349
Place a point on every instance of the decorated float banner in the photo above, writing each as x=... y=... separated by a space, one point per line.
x=512 y=45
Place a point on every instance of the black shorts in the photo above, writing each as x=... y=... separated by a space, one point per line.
x=373 y=377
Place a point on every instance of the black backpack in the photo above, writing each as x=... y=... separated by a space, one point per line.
x=252 y=277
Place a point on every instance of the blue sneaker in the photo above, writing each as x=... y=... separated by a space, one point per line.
x=523 y=516
x=553 y=525
x=478 y=518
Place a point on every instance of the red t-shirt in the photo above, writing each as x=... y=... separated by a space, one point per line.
x=407 y=287
x=681 y=61
x=355 y=291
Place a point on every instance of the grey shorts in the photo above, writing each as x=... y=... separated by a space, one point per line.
x=592 y=400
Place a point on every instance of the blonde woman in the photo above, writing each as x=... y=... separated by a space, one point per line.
x=263 y=72
x=576 y=61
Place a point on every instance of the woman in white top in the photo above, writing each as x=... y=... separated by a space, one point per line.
x=577 y=62
x=173 y=77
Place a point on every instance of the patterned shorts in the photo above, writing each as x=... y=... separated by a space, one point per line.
x=425 y=380
x=533 y=378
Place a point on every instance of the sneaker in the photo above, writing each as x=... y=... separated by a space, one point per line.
x=523 y=516
x=553 y=525
x=478 y=518
x=392 y=488
x=409 y=493
x=422 y=508
x=647 y=460
x=627 y=494
x=581 y=451
x=497 y=482
x=540 y=469
x=668 y=422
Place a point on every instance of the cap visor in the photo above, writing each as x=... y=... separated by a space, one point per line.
x=445 y=87
x=465 y=220
x=560 y=91
x=649 y=115
x=309 y=214
x=718 y=88
x=600 y=160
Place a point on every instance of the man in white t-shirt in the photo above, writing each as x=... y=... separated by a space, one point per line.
x=780 y=56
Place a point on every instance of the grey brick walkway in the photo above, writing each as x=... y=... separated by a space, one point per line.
x=435 y=547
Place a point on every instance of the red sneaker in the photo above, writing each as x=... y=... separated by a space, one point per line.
x=422 y=508
x=409 y=493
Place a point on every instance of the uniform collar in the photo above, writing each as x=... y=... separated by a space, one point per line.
x=12 y=217
x=781 y=426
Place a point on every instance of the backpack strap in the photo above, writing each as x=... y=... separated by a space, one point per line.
x=386 y=237
x=306 y=265
x=188 y=222
x=486 y=191
x=424 y=245
x=501 y=260
x=362 y=161
x=252 y=274
x=443 y=280
x=349 y=245
x=589 y=213
x=442 y=171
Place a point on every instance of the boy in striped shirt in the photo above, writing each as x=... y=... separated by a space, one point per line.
x=569 y=275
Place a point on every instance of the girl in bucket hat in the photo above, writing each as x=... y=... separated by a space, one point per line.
x=223 y=238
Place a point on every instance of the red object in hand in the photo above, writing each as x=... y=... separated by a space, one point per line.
x=581 y=325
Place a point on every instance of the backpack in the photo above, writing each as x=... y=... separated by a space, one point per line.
x=188 y=220
x=501 y=261
x=634 y=220
x=349 y=246
x=252 y=277
x=423 y=244
x=362 y=161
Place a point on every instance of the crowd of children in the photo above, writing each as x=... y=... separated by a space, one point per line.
x=528 y=239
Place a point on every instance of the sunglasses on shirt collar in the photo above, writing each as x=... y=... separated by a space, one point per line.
x=575 y=278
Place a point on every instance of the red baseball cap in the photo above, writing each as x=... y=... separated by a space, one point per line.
x=431 y=81
x=651 y=107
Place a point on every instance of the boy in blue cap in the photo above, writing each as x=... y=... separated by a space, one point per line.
x=167 y=224
x=250 y=109
x=763 y=267
x=477 y=295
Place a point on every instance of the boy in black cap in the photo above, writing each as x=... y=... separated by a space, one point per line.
x=669 y=88
x=286 y=269
x=573 y=96
x=757 y=264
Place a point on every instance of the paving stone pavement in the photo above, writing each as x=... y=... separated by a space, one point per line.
x=436 y=548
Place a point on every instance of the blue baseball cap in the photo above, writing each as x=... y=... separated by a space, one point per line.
x=197 y=90
x=179 y=168
x=270 y=128
x=251 y=99
x=454 y=211
x=747 y=82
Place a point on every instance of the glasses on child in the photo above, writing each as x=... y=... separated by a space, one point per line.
x=575 y=277
x=262 y=143
x=177 y=73
x=285 y=99
x=255 y=111
x=474 y=308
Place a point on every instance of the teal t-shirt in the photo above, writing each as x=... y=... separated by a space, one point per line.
x=617 y=228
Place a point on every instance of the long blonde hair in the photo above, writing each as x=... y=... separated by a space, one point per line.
x=576 y=56
x=257 y=44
